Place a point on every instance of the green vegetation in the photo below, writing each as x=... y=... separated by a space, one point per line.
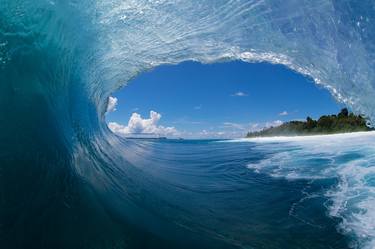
x=328 y=124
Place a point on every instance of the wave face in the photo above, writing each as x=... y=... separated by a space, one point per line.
x=66 y=180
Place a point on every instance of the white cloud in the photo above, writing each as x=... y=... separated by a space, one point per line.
x=234 y=125
x=212 y=134
x=137 y=124
x=112 y=103
x=284 y=113
x=274 y=123
x=187 y=121
x=239 y=94
x=231 y=130
x=254 y=127
x=198 y=107
x=239 y=129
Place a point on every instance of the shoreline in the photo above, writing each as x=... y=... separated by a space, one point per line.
x=308 y=137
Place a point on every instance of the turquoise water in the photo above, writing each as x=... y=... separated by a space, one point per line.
x=67 y=182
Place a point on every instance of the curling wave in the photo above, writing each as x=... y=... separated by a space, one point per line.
x=60 y=166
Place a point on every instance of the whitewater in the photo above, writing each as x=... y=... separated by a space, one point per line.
x=66 y=181
x=347 y=157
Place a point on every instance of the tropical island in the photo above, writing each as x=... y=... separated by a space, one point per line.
x=343 y=122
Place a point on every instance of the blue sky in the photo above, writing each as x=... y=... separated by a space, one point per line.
x=218 y=100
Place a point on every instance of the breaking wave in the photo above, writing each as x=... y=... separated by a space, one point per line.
x=60 y=166
x=346 y=157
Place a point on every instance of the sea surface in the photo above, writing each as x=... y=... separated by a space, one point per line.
x=284 y=192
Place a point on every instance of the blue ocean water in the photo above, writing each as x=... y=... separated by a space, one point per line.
x=299 y=192
x=67 y=182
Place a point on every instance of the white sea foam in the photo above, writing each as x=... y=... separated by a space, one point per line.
x=354 y=202
x=349 y=158
x=325 y=138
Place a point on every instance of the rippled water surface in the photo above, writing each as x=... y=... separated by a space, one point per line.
x=311 y=192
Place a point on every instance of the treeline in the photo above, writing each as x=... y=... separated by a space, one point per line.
x=343 y=122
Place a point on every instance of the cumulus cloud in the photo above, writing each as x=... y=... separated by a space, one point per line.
x=284 y=113
x=239 y=94
x=112 y=103
x=137 y=124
